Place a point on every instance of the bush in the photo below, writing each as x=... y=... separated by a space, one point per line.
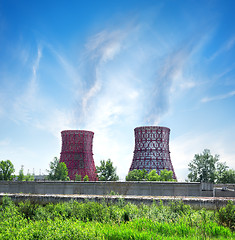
x=78 y=177
x=179 y=207
x=86 y=178
x=27 y=209
x=226 y=215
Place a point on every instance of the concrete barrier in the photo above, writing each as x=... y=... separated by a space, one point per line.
x=122 y=188
x=103 y=188
x=195 y=203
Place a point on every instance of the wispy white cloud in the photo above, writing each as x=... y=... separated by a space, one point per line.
x=28 y=101
x=23 y=54
x=172 y=79
x=36 y=64
x=105 y=45
x=90 y=94
x=218 y=97
x=55 y=120
x=114 y=86
x=227 y=46
x=101 y=48
x=36 y=109
x=69 y=68
x=129 y=87
x=225 y=71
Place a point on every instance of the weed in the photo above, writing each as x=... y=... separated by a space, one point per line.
x=92 y=220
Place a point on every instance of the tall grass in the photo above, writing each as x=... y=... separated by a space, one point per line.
x=91 y=220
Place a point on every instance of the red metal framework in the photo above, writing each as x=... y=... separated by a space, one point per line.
x=152 y=149
x=77 y=154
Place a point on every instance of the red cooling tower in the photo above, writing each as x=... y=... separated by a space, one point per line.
x=77 y=153
x=152 y=149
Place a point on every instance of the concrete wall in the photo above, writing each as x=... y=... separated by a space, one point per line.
x=224 y=190
x=103 y=188
x=194 y=202
x=122 y=188
x=230 y=186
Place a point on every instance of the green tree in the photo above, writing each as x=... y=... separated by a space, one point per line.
x=6 y=170
x=221 y=168
x=153 y=176
x=29 y=177
x=166 y=175
x=58 y=170
x=21 y=174
x=203 y=167
x=86 y=178
x=137 y=175
x=228 y=176
x=106 y=171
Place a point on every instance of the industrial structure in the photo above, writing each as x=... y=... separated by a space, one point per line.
x=152 y=149
x=77 y=154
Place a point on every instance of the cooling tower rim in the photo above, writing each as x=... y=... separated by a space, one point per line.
x=76 y=132
x=152 y=127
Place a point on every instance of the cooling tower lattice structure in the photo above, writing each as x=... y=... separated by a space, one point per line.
x=152 y=149
x=77 y=154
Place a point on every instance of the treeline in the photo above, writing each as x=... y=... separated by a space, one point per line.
x=203 y=168
x=105 y=172
x=7 y=172
x=143 y=175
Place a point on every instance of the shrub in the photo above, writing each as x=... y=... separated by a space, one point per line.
x=226 y=215
x=78 y=177
x=86 y=179
x=179 y=207
x=27 y=209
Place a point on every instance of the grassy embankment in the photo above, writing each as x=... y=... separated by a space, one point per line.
x=90 y=220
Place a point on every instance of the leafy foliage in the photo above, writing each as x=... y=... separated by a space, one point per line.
x=78 y=177
x=22 y=177
x=226 y=215
x=142 y=175
x=221 y=169
x=6 y=170
x=207 y=168
x=106 y=171
x=86 y=178
x=29 y=177
x=166 y=175
x=137 y=175
x=92 y=220
x=58 y=170
x=153 y=176
x=21 y=174
x=227 y=176
x=203 y=167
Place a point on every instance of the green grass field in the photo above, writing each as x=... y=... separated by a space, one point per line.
x=90 y=220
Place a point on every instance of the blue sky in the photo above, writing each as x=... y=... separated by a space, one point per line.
x=111 y=66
